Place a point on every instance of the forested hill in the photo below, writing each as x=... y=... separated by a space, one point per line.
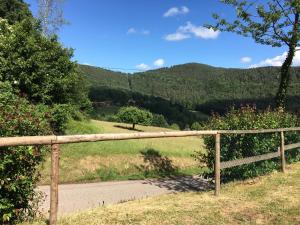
x=195 y=84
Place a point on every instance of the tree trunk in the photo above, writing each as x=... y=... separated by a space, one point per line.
x=133 y=126
x=285 y=68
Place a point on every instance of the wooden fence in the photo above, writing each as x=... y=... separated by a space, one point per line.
x=54 y=141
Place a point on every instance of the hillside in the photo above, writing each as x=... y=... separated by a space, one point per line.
x=194 y=84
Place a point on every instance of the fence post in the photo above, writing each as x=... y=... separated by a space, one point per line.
x=282 y=155
x=217 y=164
x=54 y=183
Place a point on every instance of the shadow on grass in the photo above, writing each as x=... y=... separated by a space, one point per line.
x=127 y=128
x=170 y=177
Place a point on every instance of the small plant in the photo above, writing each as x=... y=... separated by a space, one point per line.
x=236 y=146
x=134 y=116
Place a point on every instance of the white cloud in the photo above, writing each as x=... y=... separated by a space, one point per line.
x=143 y=67
x=85 y=63
x=145 y=32
x=159 y=62
x=176 y=36
x=184 y=32
x=246 y=59
x=278 y=60
x=131 y=30
x=174 y=11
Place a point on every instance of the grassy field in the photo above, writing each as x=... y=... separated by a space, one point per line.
x=119 y=160
x=272 y=199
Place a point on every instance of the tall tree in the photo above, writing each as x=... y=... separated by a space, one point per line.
x=51 y=15
x=273 y=22
x=14 y=10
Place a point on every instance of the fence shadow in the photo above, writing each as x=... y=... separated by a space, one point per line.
x=183 y=183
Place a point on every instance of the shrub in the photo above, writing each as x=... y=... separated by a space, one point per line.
x=196 y=126
x=134 y=116
x=174 y=126
x=159 y=121
x=246 y=145
x=18 y=165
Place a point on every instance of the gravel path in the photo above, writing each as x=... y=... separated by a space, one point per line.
x=77 y=197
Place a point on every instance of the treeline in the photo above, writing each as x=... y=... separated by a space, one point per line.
x=197 y=86
x=173 y=112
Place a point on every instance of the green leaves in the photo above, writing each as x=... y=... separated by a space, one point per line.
x=134 y=116
x=247 y=145
x=18 y=165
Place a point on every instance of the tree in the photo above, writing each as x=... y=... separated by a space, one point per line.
x=275 y=23
x=51 y=15
x=14 y=10
x=134 y=116
x=39 y=67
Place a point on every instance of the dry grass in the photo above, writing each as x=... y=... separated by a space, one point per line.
x=118 y=159
x=273 y=199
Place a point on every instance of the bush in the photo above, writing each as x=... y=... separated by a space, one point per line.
x=18 y=165
x=174 y=126
x=159 y=121
x=134 y=116
x=247 y=145
x=196 y=126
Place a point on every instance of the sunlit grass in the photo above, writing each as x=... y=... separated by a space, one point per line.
x=121 y=159
x=272 y=199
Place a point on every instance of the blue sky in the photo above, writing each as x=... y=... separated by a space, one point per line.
x=130 y=35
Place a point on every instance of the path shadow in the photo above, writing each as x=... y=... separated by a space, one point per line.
x=127 y=128
x=155 y=163
x=183 y=183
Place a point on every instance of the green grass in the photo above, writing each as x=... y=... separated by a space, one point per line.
x=272 y=199
x=119 y=160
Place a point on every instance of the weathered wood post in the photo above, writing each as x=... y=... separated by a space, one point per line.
x=217 y=164
x=282 y=155
x=54 y=183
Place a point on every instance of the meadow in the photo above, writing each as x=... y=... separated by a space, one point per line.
x=122 y=160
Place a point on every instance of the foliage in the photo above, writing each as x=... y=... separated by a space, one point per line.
x=246 y=145
x=174 y=126
x=169 y=91
x=134 y=116
x=39 y=67
x=159 y=121
x=196 y=126
x=18 y=165
x=14 y=10
x=274 y=23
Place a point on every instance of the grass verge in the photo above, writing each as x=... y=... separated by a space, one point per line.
x=272 y=199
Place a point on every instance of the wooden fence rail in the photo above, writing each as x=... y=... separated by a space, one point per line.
x=54 y=141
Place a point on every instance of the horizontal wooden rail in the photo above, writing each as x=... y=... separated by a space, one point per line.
x=239 y=162
x=259 y=131
x=292 y=146
x=48 y=140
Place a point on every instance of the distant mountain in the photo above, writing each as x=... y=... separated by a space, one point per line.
x=196 y=84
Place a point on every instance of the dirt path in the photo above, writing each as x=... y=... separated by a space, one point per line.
x=77 y=197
